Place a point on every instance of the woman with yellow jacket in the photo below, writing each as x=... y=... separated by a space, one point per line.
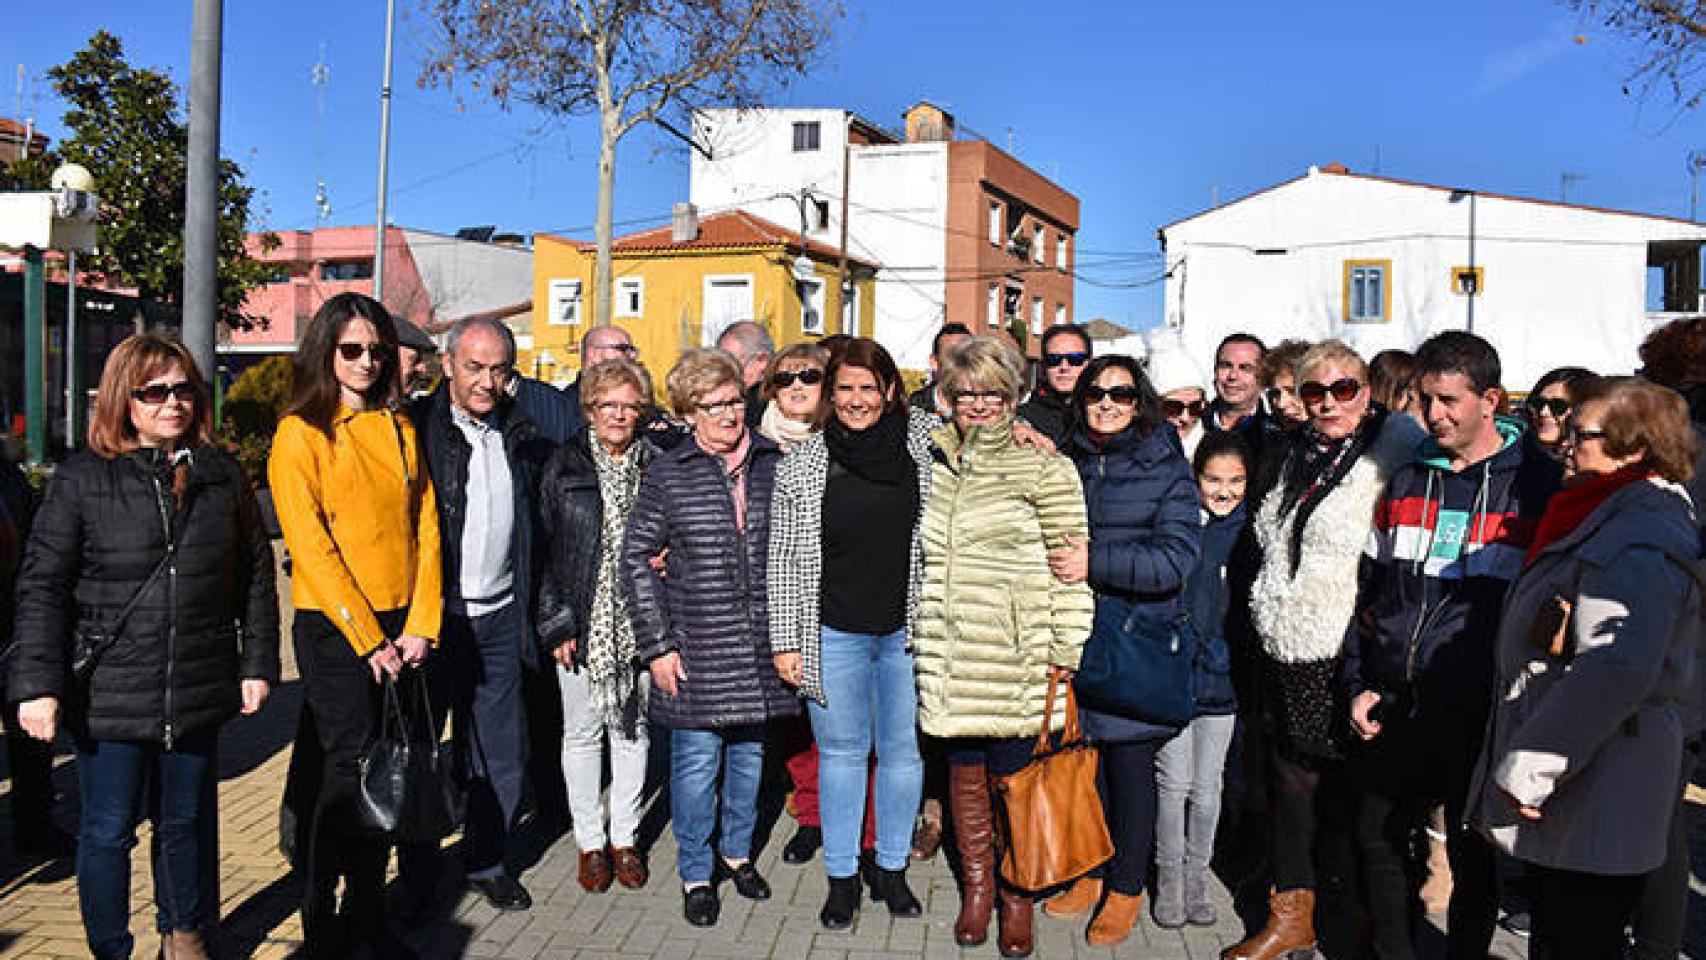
x=361 y=524
x=993 y=622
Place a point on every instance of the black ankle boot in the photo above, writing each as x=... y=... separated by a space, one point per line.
x=842 y=904
x=889 y=886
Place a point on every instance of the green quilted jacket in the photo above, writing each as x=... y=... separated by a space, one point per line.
x=991 y=617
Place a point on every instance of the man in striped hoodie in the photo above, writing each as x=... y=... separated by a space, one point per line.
x=1449 y=537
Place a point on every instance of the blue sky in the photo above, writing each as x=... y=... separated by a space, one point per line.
x=1144 y=110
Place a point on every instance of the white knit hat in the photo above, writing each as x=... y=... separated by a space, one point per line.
x=1171 y=370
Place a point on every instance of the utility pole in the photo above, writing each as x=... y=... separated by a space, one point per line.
x=35 y=379
x=72 y=407
x=384 y=155
x=1696 y=163
x=201 y=205
x=849 y=322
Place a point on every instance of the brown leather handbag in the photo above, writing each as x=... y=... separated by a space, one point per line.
x=1056 y=831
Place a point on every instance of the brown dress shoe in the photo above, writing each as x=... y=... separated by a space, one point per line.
x=595 y=871
x=1114 y=921
x=631 y=870
x=974 y=837
x=1078 y=899
x=1290 y=929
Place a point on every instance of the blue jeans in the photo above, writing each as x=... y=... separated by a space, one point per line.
x=696 y=758
x=873 y=701
x=112 y=777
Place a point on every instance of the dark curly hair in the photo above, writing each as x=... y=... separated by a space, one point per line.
x=1674 y=355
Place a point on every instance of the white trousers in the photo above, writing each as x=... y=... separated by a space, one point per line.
x=585 y=734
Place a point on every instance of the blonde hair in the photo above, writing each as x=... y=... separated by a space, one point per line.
x=698 y=372
x=988 y=362
x=601 y=378
x=131 y=364
x=1331 y=351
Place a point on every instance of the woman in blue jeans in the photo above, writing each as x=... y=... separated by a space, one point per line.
x=846 y=563
x=700 y=623
x=150 y=536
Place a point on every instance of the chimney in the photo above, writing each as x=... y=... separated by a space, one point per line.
x=684 y=223
x=928 y=123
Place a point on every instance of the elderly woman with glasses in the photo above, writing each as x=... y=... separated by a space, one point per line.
x=994 y=624
x=1596 y=684
x=701 y=623
x=1311 y=528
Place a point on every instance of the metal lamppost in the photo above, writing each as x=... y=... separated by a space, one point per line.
x=1467 y=279
x=1696 y=162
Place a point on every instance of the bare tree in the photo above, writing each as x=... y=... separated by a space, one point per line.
x=1671 y=37
x=630 y=61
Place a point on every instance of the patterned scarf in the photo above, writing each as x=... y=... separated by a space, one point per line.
x=610 y=648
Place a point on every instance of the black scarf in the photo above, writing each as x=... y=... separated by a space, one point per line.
x=877 y=453
x=1316 y=466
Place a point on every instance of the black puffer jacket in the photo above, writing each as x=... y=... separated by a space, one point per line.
x=711 y=608
x=571 y=518
x=211 y=619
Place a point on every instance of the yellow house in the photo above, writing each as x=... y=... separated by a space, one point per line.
x=671 y=294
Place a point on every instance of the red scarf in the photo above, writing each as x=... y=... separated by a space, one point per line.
x=1571 y=505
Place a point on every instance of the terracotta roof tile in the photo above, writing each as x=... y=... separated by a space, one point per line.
x=733 y=230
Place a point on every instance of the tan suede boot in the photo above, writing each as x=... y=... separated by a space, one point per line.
x=1115 y=920
x=1077 y=900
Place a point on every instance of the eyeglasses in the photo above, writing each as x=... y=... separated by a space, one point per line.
x=1174 y=408
x=627 y=349
x=783 y=379
x=1558 y=407
x=610 y=408
x=966 y=398
x=156 y=393
x=1121 y=394
x=351 y=351
x=1344 y=390
x=1575 y=436
x=723 y=408
x=1072 y=359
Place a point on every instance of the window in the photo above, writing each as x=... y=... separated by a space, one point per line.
x=811 y=306
x=1368 y=291
x=565 y=303
x=995 y=231
x=806 y=137
x=630 y=297
x=1060 y=314
x=1468 y=281
x=994 y=305
x=1037 y=238
x=1060 y=253
x=850 y=312
x=820 y=214
x=352 y=270
x=1036 y=314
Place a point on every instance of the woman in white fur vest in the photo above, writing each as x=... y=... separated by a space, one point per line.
x=1312 y=527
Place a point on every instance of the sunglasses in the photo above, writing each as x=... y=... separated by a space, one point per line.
x=351 y=351
x=1174 y=408
x=1558 y=407
x=1073 y=359
x=1344 y=391
x=1575 y=438
x=1122 y=394
x=156 y=393
x=783 y=379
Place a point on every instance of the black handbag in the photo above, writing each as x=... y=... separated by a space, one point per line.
x=93 y=641
x=1139 y=665
x=408 y=790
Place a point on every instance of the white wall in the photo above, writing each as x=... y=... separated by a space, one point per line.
x=753 y=160
x=1562 y=285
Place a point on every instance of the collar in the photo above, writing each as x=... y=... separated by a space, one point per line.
x=468 y=421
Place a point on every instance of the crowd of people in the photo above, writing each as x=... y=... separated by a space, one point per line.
x=1373 y=600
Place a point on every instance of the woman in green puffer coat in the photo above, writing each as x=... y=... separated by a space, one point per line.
x=993 y=622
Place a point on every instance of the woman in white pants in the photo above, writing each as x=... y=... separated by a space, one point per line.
x=583 y=619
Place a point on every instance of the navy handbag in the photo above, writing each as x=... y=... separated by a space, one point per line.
x=1139 y=665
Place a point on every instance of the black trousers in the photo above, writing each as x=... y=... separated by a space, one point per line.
x=1128 y=781
x=343 y=704
x=31 y=763
x=1661 y=916
x=1581 y=916
x=1400 y=776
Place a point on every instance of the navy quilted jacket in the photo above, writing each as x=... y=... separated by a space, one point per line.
x=710 y=607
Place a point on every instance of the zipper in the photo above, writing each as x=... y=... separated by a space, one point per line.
x=171 y=605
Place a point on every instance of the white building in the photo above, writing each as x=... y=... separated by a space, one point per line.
x=938 y=215
x=1383 y=263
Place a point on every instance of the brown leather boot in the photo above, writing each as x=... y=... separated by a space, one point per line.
x=1114 y=921
x=1290 y=929
x=182 y=945
x=974 y=838
x=1078 y=899
x=1016 y=939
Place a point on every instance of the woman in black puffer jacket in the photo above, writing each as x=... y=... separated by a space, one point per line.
x=200 y=643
